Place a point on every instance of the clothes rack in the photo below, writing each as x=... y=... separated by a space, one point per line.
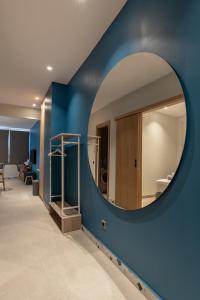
x=70 y=216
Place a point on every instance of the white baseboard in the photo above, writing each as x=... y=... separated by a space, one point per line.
x=134 y=279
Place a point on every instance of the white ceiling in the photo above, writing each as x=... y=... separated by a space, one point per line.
x=38 y=33
x=9 y=122
x=129 y=75
x=176 y=110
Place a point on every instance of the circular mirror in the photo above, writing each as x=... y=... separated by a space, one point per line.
x=137 y=131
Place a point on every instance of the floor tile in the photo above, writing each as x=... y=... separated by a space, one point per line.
x=38 y=262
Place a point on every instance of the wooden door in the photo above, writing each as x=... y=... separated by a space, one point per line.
x=128 y=161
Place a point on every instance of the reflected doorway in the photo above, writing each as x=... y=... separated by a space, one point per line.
x=103 y=132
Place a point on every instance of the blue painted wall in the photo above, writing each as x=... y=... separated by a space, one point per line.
x=35 y=144
x=161 y=243
x=59 y=106
x=55 y=123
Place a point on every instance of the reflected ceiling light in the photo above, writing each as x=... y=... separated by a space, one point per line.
x=165 y=107
x=34 y=105
x=49 y=68
x=37 y=98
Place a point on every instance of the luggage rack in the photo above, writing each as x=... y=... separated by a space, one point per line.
x=69 y=216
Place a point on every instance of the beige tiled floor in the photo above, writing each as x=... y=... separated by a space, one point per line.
x=37 y=262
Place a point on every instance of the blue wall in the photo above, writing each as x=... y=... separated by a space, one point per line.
x=161 y=243
x=59 y=106
x=55 y=123
x=35 y=144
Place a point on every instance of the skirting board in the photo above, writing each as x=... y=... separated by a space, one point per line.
x=132 y=277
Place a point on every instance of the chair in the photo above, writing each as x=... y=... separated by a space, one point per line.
x=2 y=180
x=20 y=169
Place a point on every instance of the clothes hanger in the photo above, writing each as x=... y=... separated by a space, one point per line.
x=56 y=152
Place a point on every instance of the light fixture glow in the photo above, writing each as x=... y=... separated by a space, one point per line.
x=34 y=105
x=49 y=68
x=37 y=98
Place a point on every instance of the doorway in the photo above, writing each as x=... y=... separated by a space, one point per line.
x=149 y=144
x=103 y=132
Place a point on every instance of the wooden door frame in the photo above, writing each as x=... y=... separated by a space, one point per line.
x=139 y=163
x=167 y=102
x=99 y=126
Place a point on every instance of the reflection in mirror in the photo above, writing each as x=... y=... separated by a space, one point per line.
x=136 y=131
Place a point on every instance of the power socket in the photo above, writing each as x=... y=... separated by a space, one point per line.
x=104 y=224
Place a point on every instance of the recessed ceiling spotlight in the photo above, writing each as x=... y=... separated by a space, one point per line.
x=165 y=107
x=34 y=105
x=49 y=68
x=37 y=98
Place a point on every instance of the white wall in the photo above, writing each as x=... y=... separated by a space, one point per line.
x=11 y=171
x=155 y=92
x=19 y=111
x=163 y=140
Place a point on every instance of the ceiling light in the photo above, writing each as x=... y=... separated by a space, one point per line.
x=49 y=68
x=165 y=107
x=34 y=105
x=37 y=98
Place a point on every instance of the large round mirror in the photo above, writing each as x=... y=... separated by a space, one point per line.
x=136 y=131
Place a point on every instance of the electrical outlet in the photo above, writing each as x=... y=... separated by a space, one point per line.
x=104 y=224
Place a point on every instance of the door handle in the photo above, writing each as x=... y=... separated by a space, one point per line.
x=135 y=163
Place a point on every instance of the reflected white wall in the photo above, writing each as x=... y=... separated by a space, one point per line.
x=162 y=146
